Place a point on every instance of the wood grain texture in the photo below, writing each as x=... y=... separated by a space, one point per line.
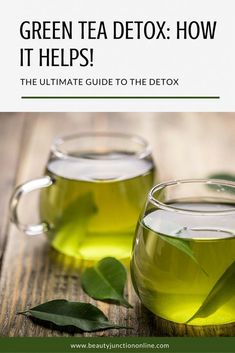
x=10 y=140
x=184 y=146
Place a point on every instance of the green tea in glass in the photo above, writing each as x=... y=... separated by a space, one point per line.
x=183 y=261
x=92 y=193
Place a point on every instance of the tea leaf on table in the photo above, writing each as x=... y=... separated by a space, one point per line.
x=223 y=176
x=182 y=245
x=83 y=316
x=222 y=291
x=106 y=281
x=72 y=230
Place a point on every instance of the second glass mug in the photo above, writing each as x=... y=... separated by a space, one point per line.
x=91 y=194
x=183 y=261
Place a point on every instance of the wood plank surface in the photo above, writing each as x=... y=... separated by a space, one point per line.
x=10 y=140
x=184 y=146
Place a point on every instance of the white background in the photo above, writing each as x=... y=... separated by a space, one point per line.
x=204 y=67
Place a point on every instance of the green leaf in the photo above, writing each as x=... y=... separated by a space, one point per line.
x=173 y=238
x=105 y=281
x=83 y=316
x=222 y=291
x=223 y=176
x=182 y=245
x=72 y=229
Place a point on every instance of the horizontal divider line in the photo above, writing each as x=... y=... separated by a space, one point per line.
x=120 y=97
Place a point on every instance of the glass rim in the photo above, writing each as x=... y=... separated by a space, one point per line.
x=61 y=140
x=152 y=199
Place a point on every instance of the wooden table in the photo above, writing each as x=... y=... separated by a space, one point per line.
x=184 y=146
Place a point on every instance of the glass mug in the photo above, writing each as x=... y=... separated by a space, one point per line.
x=183 y=261
x=91 y=195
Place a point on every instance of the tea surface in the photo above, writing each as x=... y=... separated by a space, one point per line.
x=93 y=206
x=172 y=284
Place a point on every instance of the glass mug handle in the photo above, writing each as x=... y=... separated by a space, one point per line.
x=32 y=185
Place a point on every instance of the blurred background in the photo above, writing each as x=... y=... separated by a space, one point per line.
x=184 y=145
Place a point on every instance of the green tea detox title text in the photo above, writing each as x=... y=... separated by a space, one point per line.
x=53 y=31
